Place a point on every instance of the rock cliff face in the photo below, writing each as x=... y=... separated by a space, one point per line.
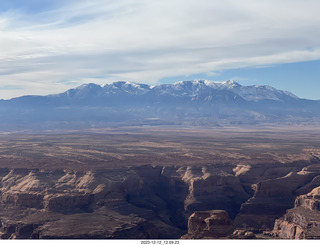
x=205 y=188
x=272 y=197
x=145 y=202
x=209 y=225
x=303 y=221
x=155 y=202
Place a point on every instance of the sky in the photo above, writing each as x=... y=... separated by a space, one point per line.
x=47 y=46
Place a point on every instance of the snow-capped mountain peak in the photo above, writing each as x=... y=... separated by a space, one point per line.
x=265 y=92
x=200 y=102
x=83 y=90
x=189 y=88
x=214 y=84
x=222 y=85
x=126 y=87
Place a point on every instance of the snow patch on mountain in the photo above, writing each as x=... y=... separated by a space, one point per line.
x=230 y=84
x=190 y=88
x=257 y=93
x=249 y=93
x=126 y=87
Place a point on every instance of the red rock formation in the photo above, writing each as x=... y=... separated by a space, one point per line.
x=149 y=202
x=209 y=225
x=271 y=199
x=302 y=221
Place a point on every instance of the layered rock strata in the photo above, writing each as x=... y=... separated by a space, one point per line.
x=211 y=224
x=302 y=221
x=272 y=197
x=147 y=202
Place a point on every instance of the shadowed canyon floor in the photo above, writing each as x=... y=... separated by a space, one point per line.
x=146 y=182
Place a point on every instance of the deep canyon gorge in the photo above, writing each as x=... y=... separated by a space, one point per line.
x=147 y=184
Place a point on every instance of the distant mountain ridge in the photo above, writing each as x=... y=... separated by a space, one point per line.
x=182 y=88
x=196 y=102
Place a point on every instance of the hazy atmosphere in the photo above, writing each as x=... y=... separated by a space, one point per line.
x=171 y=120
x=48 y=47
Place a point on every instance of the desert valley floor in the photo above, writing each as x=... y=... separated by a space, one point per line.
x=145 y=182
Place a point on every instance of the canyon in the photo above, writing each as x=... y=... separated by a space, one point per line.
x=148 y=182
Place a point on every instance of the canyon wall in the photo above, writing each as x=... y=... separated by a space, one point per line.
x=151 y=201
x=302 y=221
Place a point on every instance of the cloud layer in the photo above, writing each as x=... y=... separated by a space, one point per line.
x=50 y=48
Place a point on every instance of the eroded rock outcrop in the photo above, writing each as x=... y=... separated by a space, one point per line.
x=206 y=188
x=163 y=197
x=271 y=199
x=242 y=234
x=211 y=224
x=76 y=204
x=149 y=201
x=302 y=221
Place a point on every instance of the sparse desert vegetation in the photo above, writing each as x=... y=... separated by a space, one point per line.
x=145 y=182
x=116 y=148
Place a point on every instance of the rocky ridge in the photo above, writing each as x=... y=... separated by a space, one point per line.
x=151 y=202
x=197 y=102
x=272 y=197
x=211 y=224
x=302 y=221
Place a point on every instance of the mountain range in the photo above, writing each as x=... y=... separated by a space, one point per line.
x=197 y=102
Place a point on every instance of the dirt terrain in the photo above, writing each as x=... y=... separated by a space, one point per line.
x=146 y=182
x=113 y=148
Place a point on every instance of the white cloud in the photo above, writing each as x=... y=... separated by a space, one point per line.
x=145 y=41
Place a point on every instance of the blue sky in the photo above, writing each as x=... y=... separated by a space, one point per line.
x=50 y=46
x=301 y=78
